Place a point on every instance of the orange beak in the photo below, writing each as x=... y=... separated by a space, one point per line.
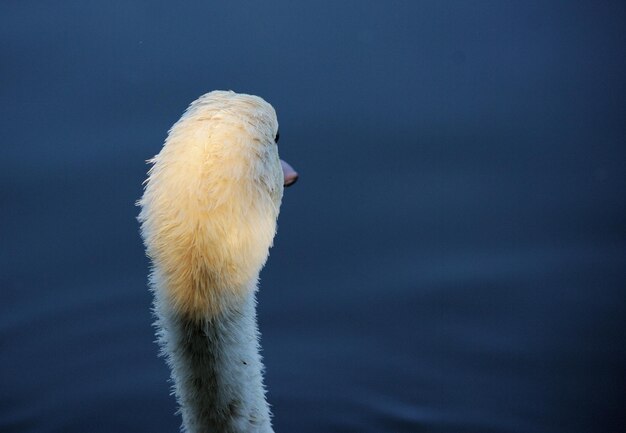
x=291 y=176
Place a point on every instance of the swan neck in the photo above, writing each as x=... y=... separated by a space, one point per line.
x=217 y=370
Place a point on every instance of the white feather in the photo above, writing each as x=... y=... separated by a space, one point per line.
x=208 y=217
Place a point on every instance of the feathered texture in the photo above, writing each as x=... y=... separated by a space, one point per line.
x=208 y=217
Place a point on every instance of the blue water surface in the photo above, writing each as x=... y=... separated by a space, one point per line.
x=453 y=258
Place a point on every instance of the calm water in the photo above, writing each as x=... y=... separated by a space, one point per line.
x=453 y=258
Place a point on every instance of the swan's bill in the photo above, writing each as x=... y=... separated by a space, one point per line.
x=291 y=176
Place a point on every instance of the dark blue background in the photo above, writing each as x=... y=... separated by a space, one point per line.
x=453 y=258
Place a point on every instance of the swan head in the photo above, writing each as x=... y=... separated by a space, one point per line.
x=211 y=201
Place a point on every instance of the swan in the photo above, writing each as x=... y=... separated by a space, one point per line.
x=208 y=218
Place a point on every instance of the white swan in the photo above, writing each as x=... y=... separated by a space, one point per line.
x=208 y=217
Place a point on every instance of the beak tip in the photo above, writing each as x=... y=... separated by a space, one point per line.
x=290 y=175
x=291 y=178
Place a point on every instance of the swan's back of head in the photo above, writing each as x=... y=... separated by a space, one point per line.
x=211 y=201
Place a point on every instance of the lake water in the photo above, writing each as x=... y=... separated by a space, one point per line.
x=453 y=258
